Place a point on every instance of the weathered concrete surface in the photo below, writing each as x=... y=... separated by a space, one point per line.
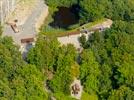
x=28 y=29
x=72 y=39
x=6 y=7
x=23 y=9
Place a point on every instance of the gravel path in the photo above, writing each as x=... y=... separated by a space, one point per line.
x=27 y=30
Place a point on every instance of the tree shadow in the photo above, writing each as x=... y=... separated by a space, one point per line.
x=65 y=17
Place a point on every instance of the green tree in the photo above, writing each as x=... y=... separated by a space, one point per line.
x=89 y=72
x=43 y=55
x=123 y=93
x=90 y=10
x=18 y=80
x=63 y=75
x=113 y=51
x=82 y=40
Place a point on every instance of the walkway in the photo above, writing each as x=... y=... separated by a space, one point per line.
x=73 y=38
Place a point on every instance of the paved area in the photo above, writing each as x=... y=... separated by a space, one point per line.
x=28 y=29
x=6 y=6
x=73 y=39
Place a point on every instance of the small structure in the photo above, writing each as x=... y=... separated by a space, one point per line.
x=76 y=89
x=27 y=40
x=13 y=25
x=26 y=45
x=15 y=28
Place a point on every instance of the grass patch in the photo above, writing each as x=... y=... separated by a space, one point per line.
x=48 y=30
x=90 y=24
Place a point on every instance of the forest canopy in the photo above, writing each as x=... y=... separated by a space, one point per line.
x=105 y=66
x=91 y=10
x=18 y=80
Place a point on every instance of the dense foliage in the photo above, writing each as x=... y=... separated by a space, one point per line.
x=107 y=61
x=18 y=80
x=105 y=67
x=109 y=57
x=48 y=56
x=91 y=10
